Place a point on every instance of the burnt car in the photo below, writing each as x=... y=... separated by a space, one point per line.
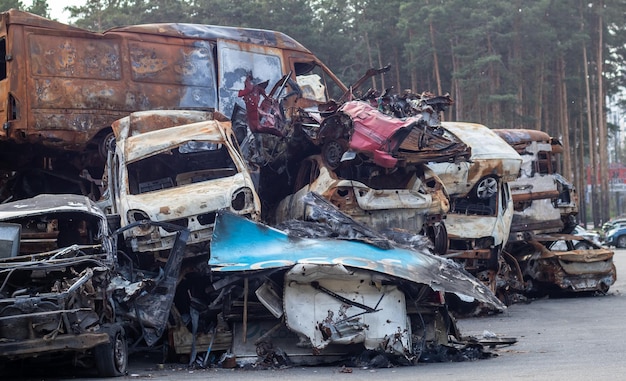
x=308 y=299
x=178 y=167
x=57 y=260
x=411 y=198
x=564 y=263
x=545 y=202
x=481 y=207
x=69 y=295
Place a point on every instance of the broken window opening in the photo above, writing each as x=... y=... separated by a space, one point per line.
x=315 y=83
x=48 y=233
x=544 y=164
x=469 y=205
x=190 y=163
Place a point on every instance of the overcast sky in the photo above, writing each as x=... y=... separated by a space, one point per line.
x=56 y=8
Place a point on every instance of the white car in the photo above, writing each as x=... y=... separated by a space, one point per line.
x=179 y=167
x=413 y=200
x=590 y=235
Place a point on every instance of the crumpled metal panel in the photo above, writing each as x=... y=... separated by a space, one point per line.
x=521 y=139
x=239 y=245
x=165 y=136
x=491 y=155
x=387 y=138
x=382 y=209
x=375 y=314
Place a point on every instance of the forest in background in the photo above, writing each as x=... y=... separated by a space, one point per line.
x=545 y=64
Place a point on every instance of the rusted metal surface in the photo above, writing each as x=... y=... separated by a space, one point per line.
x=33 y=347
x=491 y=156
x=481 y=207
x=181 y=174
x=566 y=263
x=407 y=200
x=68 y=85
x=544 y=200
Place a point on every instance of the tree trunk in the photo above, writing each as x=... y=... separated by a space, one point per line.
x=397 y=67
x=413 y=65
x=539 y=97
x=380 y=64
x=435 y=59
x=567 y=163
x=370 y=59
x=602 y=132
x=458 y=100
x=581 y=183
x=590 y=141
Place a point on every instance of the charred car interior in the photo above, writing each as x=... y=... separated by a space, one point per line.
x=56 y=266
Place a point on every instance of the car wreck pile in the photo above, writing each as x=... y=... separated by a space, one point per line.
x=309 y=227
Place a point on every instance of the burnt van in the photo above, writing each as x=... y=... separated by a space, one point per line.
x=62 y=87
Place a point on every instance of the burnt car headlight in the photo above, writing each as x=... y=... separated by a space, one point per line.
x=344 y=198
x=242 y=199
x=136 y=215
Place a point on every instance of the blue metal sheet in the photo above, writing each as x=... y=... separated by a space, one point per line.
x=239 y=245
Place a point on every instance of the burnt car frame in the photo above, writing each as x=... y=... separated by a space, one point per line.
x=56 y=265
x=321 y=302
x=481 y=207
x=411 y=199
x=545 y=202
x=178 y=167
x=558 y=262
x=68 y=292
x=54 y=131
x=128 y=69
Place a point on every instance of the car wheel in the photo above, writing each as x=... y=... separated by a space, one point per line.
x=332 y=152
x=486 y=188
x=621 y=242
x=112 y=357
x=105 y=144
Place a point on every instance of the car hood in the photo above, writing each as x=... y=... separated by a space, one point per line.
x=239 y=244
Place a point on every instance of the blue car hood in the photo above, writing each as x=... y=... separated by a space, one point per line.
x=239 y=244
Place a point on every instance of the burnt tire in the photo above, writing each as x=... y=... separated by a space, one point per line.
x=621 y=242
x=112 y=357
x=332 y=152
x=438 y=235
x=105 y=144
